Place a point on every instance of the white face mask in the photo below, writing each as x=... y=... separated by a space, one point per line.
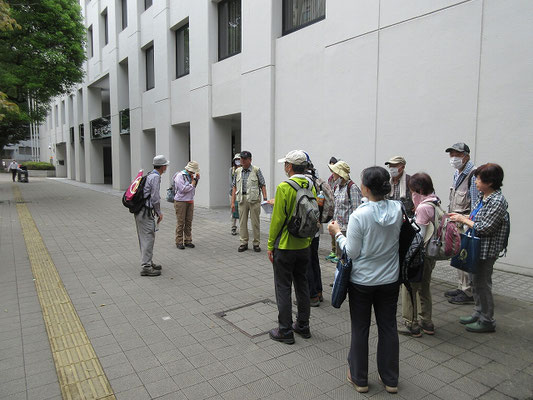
x=393 y=171
x=237 y=162
x=456 y=162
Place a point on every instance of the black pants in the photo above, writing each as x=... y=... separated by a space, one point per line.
x=291 y=266
x=14 y=174
x=313 y=270
x=384 y=299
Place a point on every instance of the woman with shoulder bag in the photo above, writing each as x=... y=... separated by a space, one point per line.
x=489 y=220
x=372 y=241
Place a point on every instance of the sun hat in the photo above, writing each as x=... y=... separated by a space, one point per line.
x=396 y=160
x=342 y=169
x=192 y=166
x=237 y=156
x=295 y=157
x=160 y=160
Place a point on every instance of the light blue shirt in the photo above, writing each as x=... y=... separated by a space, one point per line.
x=372 y=241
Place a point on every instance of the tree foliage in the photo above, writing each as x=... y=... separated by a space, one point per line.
x=41 y=56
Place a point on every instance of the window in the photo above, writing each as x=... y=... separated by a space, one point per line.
x=182 y=51
x=63 y=112
x=229 y=28
x=150 y=78
x=90 y=41
x=124 y=13
x=300 y=13
x=106 y=29
x=147 y=4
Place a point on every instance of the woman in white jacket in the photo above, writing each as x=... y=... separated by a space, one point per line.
x=372 y=243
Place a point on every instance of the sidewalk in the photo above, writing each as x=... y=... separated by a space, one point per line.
x=196 y=332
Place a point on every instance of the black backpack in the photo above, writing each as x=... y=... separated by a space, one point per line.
x=138 y=201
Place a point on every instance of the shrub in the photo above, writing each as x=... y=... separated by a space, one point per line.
x=38 y=165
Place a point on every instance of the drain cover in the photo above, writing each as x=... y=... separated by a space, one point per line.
x=253 y=319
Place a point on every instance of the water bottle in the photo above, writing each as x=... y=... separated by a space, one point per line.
x=320 y=199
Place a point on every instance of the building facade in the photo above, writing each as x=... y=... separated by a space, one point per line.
x=362 y=80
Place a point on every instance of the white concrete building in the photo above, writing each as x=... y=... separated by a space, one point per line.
x=362 y=80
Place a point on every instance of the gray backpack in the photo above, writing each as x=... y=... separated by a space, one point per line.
x=305 y=218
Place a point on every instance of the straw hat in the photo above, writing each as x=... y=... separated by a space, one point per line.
x=342 y=169
x=192 y=166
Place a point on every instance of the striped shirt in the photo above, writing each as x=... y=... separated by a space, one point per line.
x=343 y=206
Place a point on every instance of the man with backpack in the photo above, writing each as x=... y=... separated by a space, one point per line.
x=294 y=223
x=145 y=219
x=463 y=198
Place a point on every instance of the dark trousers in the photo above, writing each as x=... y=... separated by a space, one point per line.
x=14 y=174
x=291 y=266
x=313 y=271
x=384 y=299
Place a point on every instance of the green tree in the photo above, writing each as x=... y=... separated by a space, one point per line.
x=41 y=56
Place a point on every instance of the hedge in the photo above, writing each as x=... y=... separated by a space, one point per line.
x=38 y=165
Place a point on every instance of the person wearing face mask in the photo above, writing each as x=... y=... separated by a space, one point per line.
x=236 y=163
x=400 y=183
x=417 y=320
x=463 y=197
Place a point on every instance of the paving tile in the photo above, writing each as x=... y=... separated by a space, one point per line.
x=161 y=387
x=125 y=383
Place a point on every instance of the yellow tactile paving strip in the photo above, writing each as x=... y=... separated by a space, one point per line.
x=79 y=372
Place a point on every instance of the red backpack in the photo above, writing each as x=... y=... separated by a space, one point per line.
x=445 y=242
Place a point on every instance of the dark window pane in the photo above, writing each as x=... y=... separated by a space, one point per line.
x=300 y=13
x=106 y=30
x=229 y=28
x=124 y=12
x=182 y=51
x=147 y=4
x=90 y=41
x=150 y=80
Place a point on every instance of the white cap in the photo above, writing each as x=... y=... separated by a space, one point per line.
x=295 y=157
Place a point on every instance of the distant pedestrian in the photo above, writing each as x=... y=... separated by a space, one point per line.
x=185 y=183
x=347 y=197
x=372 y=242
x=148 y=219
x=400 y=183
x=289 y=254
x=463 y=198
x=13 y=167
x=248 y=184
x=332 y=183
x=490 y=221
x=235 y=163
x=417 y=319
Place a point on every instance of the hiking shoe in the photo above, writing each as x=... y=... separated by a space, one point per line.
x=189 y=245
x=234 y=230
x=157 y=267
x=150 y=271
x=315 y=301
x=480 y=327
x=358 y=389
x=468 y=320
x=257 y=249
x=461 y=299
x=331 y=255
x=287 y=338
x=410 y=329
x=320 y=297
x=427 y=327
x=453 y=292
x=334 y=260
x=242 y=247
x=302 y=331
x=180 y=246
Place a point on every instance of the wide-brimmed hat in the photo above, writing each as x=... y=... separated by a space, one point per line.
x=237 y=156
x=295 y=157
x=460 y=147
x=192 y=166
x=342 y=169
x=396 y=160
x=160 y=160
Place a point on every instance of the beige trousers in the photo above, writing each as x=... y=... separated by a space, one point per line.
x=255 y=210
x=184 y=213
x=423 y=304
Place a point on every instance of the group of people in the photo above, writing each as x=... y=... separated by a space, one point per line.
x=366 y=222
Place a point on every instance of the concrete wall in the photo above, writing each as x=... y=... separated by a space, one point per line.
x=372 y=80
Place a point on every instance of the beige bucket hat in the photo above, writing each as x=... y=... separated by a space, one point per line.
x=192 y=166
x=342 y=169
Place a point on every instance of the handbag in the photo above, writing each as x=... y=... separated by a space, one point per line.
x=468 y=256
x=342 y=280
